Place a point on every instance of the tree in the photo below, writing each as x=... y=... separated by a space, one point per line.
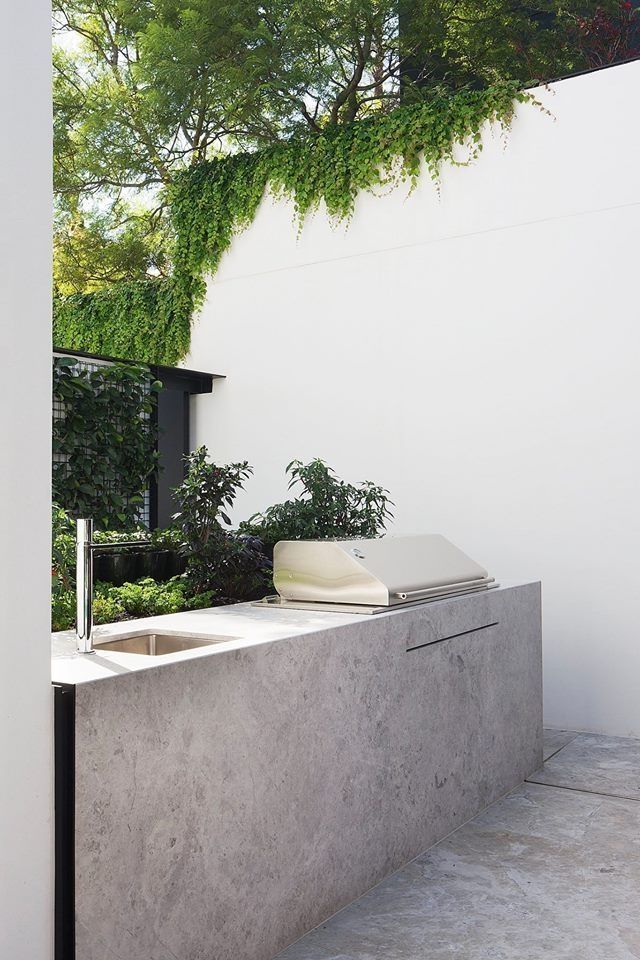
x=95 y=249
x=610 y=36
x=140 y=89
x=461 y=43
x=143 y=88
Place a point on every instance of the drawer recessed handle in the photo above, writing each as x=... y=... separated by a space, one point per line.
x=452 y=636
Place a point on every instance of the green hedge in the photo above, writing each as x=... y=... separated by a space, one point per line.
x=148 y=321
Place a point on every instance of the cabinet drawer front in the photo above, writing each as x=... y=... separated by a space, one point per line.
x=453 y=618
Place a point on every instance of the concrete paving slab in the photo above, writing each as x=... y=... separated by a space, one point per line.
x=555 y=740
x=544 y=872
x=608 y=765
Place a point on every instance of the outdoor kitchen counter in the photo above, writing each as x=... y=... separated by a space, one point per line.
x=230 y=798
x=243 y=624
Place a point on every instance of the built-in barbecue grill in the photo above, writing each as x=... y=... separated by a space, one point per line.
x=370 y=576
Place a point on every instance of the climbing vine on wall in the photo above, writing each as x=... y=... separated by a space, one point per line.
x=212 y=201
x=146 y=320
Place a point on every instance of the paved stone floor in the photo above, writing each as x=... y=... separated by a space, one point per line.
x=550 y=872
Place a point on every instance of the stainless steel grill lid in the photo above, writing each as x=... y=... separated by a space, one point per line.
x=377 y=573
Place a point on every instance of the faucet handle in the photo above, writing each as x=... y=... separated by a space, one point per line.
x=84 y=531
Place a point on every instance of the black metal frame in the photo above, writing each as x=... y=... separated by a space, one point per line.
x=193 y=381
x=153 y=483
x=64 y=712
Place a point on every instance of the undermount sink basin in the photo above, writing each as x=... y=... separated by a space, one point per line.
x=157 y=644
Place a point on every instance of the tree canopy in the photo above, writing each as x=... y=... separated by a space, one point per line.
x=145 y=88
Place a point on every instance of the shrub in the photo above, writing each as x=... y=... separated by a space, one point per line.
x=228 y=565
x=62 y=549
x=140 y=599
x=63 y=609
x=106 y=610
x=147 y=598
x=326 y=508
x=168 y=538
x=63 y=601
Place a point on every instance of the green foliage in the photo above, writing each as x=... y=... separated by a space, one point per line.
x=106 y=609
x=146 y=87
x=205 y=495
x=326 y=508
x=62 y=549
x=140 y=90
x=63 y=603
x=96 y=249
x=148 y=320
x=463 y=42
x=104 y=444
x=212 y=201
x=231 y=566
x=148 y=91
x=224 y=565
x=146 y=598
x=168 y=538
x=63 y=609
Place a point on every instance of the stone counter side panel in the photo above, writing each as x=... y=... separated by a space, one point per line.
x=227 y=805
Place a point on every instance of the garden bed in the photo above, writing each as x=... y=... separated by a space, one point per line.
x=201 y=561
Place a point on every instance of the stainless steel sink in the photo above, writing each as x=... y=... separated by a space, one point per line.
x=157 y=644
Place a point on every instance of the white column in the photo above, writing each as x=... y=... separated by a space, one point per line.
x=26 y=913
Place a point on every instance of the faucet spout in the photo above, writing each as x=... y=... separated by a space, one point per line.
x=85 y=549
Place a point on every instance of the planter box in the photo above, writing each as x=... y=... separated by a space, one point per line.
x=130 y=565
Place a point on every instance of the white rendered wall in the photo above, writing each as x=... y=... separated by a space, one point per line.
x=26 y=917
x=477 y=354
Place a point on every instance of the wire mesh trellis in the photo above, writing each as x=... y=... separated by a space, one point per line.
x=81 y=365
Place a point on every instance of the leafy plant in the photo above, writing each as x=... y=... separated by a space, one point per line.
x=211 y=201
x=144 y=598
x=106 y=609
x=103 y=440
x=223 y=565
x=220 y=561
x=63 y=609
x=147 y=598
x=167 y=538
x=146 y=319
x=326 y=508
x=63 y=604
x=62 y=549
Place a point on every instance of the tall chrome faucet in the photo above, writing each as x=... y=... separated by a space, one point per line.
x=85 y=548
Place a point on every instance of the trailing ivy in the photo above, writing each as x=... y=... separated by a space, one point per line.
x=212 y=201
x=148 y=320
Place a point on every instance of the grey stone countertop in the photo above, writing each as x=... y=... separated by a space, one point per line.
x=242 y=625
